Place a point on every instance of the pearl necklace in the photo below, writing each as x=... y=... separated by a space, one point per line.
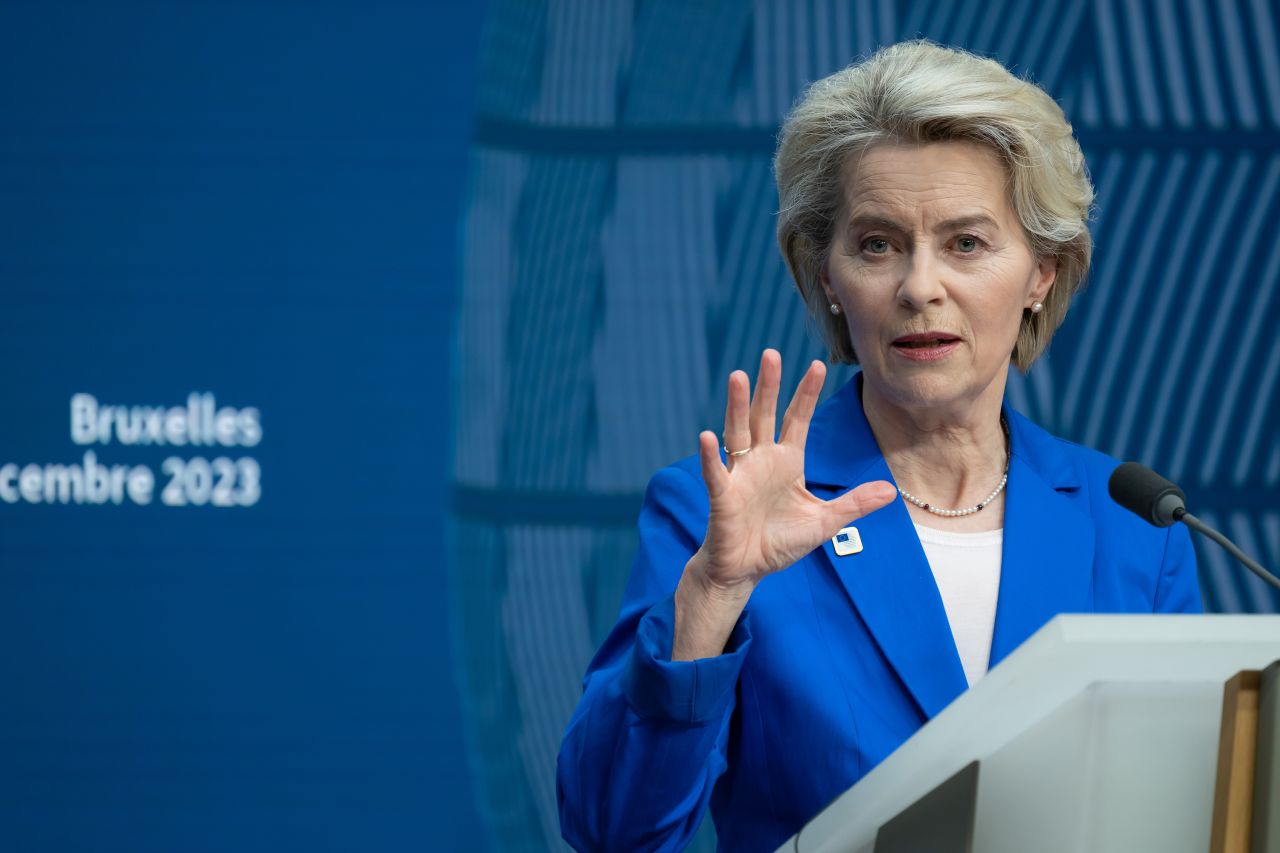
x=969 y=510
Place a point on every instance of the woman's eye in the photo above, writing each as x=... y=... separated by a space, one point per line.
x=876 y=245
x=967 y=244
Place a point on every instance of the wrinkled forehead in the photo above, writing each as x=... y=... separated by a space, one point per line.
x=922 y=184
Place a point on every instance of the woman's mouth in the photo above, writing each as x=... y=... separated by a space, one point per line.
x=929 y=346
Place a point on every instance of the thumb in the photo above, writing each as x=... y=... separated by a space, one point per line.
x=864 y=500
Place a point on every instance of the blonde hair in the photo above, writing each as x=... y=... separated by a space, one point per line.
x=920 y=92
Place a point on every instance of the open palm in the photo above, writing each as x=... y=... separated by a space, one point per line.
x=763 y=518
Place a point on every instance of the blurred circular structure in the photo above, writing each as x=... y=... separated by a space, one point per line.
x=619 y=262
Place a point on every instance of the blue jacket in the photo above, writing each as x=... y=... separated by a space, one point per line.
x=836 y=660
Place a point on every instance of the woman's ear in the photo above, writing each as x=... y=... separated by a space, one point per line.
x=1046 y=273
x=824 y=279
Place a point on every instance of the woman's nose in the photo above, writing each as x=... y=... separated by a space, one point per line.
x=921 y=282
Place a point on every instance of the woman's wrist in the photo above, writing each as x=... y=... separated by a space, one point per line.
x=705 y=613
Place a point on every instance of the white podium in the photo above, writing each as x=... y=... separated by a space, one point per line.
x=1100 y=733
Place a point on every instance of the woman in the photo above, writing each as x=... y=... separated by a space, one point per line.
x=802 y=604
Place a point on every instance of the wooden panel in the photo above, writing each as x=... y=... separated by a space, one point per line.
x=1237 y=743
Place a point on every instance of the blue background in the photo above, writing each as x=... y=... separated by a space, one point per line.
x=483 y=268
x=258 y=200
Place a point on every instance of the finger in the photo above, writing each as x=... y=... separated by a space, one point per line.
x=856 y=503
x=795 y=422
x=764 y=406
x=737 y=428
x=714 y=474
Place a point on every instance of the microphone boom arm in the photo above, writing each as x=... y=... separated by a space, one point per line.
x=1196 y=524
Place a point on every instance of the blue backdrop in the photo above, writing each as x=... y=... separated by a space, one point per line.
x=258 y=202
x=620 y=262
x=339 y=341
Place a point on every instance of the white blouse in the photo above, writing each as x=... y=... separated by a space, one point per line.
x=966 y=567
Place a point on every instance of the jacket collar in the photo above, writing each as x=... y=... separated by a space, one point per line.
x=1046 y=565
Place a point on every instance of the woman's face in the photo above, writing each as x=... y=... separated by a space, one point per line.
x=933 y=271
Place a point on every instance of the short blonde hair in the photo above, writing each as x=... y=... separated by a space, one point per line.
x=918 y=92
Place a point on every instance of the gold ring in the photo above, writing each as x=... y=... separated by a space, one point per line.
x=736 y=452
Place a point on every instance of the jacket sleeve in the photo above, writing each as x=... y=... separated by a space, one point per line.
x=646 y=743
x=1178 y=585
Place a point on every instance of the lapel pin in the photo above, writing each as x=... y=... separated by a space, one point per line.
x=847 y=542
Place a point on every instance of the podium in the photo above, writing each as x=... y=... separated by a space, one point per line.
x=1100 y=733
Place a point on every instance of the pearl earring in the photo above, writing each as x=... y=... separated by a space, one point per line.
x=1037 y=307
x=835 y=309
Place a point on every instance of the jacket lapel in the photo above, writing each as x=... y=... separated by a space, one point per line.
x=1046 y=564
x=889 y=581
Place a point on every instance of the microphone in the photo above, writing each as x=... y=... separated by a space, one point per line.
x=1158 y=501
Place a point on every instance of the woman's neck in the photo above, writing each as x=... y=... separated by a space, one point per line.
x=951 y=457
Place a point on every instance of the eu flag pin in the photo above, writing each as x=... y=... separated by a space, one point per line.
x=847 y=542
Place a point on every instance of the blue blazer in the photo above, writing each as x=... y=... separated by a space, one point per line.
x=836 y=660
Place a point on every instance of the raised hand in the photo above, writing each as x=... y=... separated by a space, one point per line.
x=763 y=518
